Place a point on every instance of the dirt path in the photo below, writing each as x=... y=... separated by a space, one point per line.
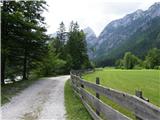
x=41 y=101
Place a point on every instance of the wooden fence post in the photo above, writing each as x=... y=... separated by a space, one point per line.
x=82 y=86
x=139 y=94
x=97 y=94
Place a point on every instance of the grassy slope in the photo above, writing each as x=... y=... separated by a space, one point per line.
x=74 y=107
x=10 y=90
x=128 y=81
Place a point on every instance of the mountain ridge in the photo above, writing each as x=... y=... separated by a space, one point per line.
x=91 y=40
x=125 y=30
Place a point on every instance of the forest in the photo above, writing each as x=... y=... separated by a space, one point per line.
x=28 y=51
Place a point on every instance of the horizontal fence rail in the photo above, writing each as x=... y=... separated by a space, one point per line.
x=142 y=109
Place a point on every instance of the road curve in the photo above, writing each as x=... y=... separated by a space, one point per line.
x=43 y=100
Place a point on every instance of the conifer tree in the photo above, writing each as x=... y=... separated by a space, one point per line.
x=76 y=46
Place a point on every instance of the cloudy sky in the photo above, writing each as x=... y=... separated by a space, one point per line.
x=93 y=13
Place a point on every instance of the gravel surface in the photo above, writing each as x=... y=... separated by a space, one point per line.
x=43 y=100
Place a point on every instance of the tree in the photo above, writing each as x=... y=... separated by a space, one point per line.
x=71 y=27
x=119 y=63
x=61 y=34
x=23 y=37
x=10 y=23
x=130 y=60
x=51 y=64
x=76 y=47
x=34 y=39
x=152 y=59
x=57 y=45
x=60 y=41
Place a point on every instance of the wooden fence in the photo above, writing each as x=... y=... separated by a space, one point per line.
x=142 y=109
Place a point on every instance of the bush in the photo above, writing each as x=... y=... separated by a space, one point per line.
x=119 y=64
x=129 y=61
x=138 y=67
x=152 y=59
x=157 y=67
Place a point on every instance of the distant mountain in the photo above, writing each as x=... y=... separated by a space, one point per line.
x=136 y=32
x=91 y=40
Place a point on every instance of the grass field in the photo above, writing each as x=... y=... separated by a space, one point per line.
x=74 y=107
x=128 y=81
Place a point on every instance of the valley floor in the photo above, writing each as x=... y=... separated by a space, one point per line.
x=148 y=81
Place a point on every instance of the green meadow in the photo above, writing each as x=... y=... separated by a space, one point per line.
x=148 y=81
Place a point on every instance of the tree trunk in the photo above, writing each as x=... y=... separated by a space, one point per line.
x=25 y=65
x=3 y=66
x=3 y=47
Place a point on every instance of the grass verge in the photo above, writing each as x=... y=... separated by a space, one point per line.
x=10 y=90
x=128 y=81
x=74 y=106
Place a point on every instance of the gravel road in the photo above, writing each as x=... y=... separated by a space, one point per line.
x=43 y=100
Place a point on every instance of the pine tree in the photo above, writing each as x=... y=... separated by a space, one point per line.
x=62 y=34
x=10 y=22
x=76 y=47
x=23 y=37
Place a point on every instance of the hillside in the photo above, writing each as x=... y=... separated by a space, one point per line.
x=138 y=43
x=91 y=40
x=136 y=32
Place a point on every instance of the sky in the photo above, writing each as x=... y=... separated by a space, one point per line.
x=95 y=14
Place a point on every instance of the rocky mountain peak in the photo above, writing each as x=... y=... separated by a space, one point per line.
x=154 y=6
x=121 y=33
x=91 y=40
x=89 y=32
x=154 y=10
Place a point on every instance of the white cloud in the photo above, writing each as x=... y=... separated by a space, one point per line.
x=94 y=13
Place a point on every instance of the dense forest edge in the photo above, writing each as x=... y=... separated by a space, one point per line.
x=27 y=51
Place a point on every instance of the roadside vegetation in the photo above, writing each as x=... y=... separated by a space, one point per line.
x=74 y=106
